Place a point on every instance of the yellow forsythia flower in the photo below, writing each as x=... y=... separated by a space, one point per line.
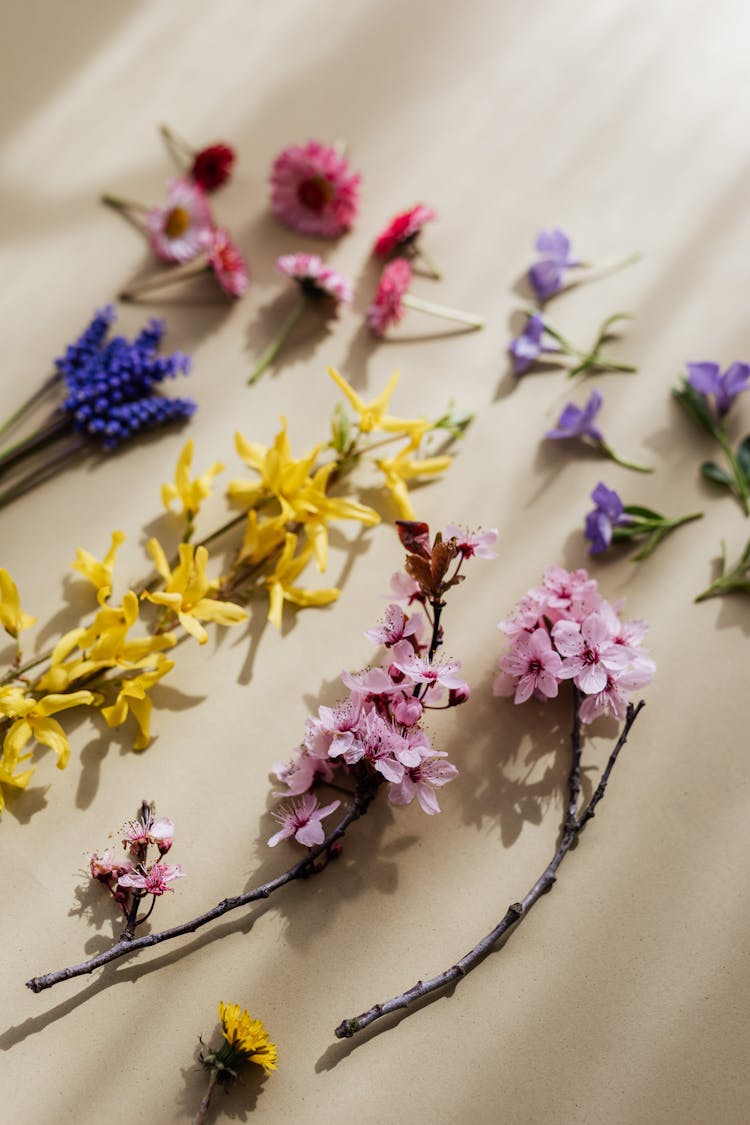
x=9 y=777
x=313 y=508
x=280 y=474
x=132 y=699
x=99 y=573
x=34 y=719
x=193 y=492
x=280 y=583
x=401 y=468
x=372 y=415
x=187 y=588
x=12 y=617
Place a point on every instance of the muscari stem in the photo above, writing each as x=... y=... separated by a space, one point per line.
x=168 y=277
x=608 y=451
x=26 y=484
x=443 y=311
x=517 y=911
x=363 y=798
x=31 y=401
x=54 y=428
x=273 y=349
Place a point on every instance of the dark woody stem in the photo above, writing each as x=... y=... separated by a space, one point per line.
x=363 y=798
x=517 y=911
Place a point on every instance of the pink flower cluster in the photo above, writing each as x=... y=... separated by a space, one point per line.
x=377 y=729
x=185 y=228
x=565 y=630
x=133 y=873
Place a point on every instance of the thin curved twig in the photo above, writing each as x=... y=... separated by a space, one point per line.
x=517 y=911
x=362 y=799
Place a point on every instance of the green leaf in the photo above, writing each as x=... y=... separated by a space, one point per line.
x=651 y=544
x=627 y=531
x=340 y=429
x=713 y=472
x=642 y=513
x=454 y=421
x=745 y=555
x=696 y=406
x=743 y=457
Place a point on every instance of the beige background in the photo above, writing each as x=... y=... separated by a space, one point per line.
x=623 y=998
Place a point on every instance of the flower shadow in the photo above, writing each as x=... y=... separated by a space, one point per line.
x=235 y=1101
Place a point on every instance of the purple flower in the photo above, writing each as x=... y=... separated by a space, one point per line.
x=608 y=514
x=706 y=378
x=527 y=347
x=548 y=275
x=578 y=422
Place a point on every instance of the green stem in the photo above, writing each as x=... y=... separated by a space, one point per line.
x=177 y=147
x=200 y=1116
x=608 y=451
x=611 y=365
x=42 y=393
x=443 y=311
x=167 y=277
x=48 y=433
x=740 y=488
x=121 y=204
x=428 y=263
x=41 y=474
x=273 y=349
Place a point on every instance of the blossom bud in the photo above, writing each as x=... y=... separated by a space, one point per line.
x=408 y=711
x=457 y=696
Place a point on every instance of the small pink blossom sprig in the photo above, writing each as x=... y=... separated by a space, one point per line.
x=319 y=285
x=393 y=299
x=561 y=630
x=313 y=190
x=184 y=233
x=134 y=876
x=374 y=738
x=402 y=237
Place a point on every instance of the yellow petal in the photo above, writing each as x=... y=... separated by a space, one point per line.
x=50 y=733
x=191 y=626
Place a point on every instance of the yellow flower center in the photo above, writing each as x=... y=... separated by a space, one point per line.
x=178 y=221
x=314 y=193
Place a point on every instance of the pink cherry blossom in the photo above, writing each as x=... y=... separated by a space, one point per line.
x=302 y=821
x=475 y=544
x=299 y=774
x=387 y=308
x=395 y=628
x=313 y=190
x=421 y=782
x=589 y=651
x=534 y=666
x=404 y=588
x=180 y=230
x=155 y=881
x=315 y=277
x=613 y=698
x=420 y=670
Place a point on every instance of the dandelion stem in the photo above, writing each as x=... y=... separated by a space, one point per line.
x=200 y=1116
x=572 y=826
x=273 y=349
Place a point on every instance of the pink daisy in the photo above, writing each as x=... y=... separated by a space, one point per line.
x=402 y=231
x=313 y=190
x=302 y=821
x=388 y=307
x=315 y=277
x=227 y=263
x=181 y=229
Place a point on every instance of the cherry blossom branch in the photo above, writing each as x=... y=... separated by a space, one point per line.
x=517 y=911
x=363 y=797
